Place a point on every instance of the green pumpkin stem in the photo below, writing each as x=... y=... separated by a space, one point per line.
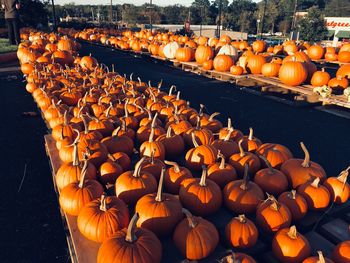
x=160 y=186
x=130 y=234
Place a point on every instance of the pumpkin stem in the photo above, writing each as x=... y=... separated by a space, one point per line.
x=306 y=162
x=125 y=109
x=65 y=118
x=83 y=174
x=321 y=258
x=268 y=164
x=292 y=233
x=149 y=114
x=138 y=166
x=103 y=206
x=228 y=135
x=178 y=95
x=151 y=135
x=195 y=143
x=241 y=150
x=293 y=194
x=198 y=124
x=116 y=131
x=343 y=176
x=173 y=87
x=315 y=182
x=160 y=186
x=222 y=160
x=191 y=222
x=229 y=123
x=203 y=182
x=201 y=109
x=174 y=164
x=160 y=84
x=130 y=235
x=168 y=132
x=251 y=132
x=75 y=155
x=212 y=116
x=275 y=205
x=241 y=218
x=109 y=110
x=153 y=124
x=244 y=185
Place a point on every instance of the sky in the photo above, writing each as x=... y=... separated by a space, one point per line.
x=135 y=2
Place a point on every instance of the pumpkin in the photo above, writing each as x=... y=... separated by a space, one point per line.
x=255 y=63
x=109 y=171
x=315 y=52
x=159 y=212
x=101 y=218
x=299 y=171
x=345 y=47
x=235 y=134
x=75 y=195
x=88 y=63
x=226 y=146
x=331 y=56
x=293 y=73
x=259 y=46
x=344 y=56
x=174 y=176
x=290 y=246
x=276 y=154
x=203 y=54
x=132 y=185
x=184 y=54
x=201 y=196
x=338 y=82
x=272 y=216
x=152 y=147
x=200 y=155
x=318 y=259
x=241 y=232
x=236 y=70
x=271 y=180
x=174 y=144
x=230 y=51
x=239 y=160
x=341 y=253
x=237 y=257
x=221 y=173
x=296 y=204
x=153 y=166
x=338 y=187
x=195 y=237
x=320 y=78
x=242 y=196
x=317 y=196
x=130 y=242
x=251 y=143
x=222 y=63
x=118 y=143
x=343 y=71
x=208 y=65
x=270 y=69
x=170 y=49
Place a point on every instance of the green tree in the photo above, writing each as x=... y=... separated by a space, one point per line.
x=313 y=27
x=337 y=8
x=241 y=16
x=31 y=7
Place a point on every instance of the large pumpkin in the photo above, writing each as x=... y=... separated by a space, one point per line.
x=203 y=54
x=315 y=52
x=223 y=63
x=229 y=50
x=293 y=73
x=255 y=63
x=184 y=54
x=170 y=50
x=259 y=46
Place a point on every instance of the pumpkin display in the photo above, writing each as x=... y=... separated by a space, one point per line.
x=317 y=196
x=159 y=212
x=338 y=187
x=300 y=171
x=222 y=63
x=242 y=196
x=272 y=216
x=101 y=218
x=296 y=204
x=132 y=185
x=341 y=253
x=201 y=196
x=131 y=241
x=195 y=237
x=241 y=232
x=293 y=73
x=290 y=246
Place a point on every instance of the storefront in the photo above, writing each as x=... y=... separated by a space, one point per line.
x=338 y=29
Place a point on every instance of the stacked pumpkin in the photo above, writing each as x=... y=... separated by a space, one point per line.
x=187 y=166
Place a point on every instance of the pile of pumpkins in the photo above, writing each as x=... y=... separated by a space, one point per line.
x=238 y=57
x=169 y=164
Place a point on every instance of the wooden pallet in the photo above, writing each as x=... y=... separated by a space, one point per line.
x=80 y=248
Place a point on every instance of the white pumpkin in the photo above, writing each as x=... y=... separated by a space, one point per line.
x=229 y=50
x=210 y=44
x=242 y=61
x=170 y=49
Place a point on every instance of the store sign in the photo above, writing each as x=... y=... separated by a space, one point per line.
x=340 y=23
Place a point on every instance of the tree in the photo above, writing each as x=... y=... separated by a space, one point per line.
x=31 y=7
x=241 y=16
x=312 y=27
x=337 y=8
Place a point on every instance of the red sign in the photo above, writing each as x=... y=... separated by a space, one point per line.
x=334 y=24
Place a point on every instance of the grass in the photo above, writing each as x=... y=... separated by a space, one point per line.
x=6 y=47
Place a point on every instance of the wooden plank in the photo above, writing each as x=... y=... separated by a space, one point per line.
x=336 y=231
x=318 y=242
x=81 y=249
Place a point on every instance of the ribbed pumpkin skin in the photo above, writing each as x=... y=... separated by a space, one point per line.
x=241 y=234
x=344 y=71
x=320 y=78
x=223 y=63
x=255 y=63
x=344 y=56
x=270 y=69
x=184 y=54
x=293 y=73
x=203 y=53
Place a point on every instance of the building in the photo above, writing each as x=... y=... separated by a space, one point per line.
x=338 y=29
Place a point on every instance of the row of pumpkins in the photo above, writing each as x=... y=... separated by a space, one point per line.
x=100 y=121
x=238 y=57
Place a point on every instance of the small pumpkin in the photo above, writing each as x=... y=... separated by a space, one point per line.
x=317 y=196
x=341 y=253
x=251 y=143
x=318 y=259
x=320 y=78
x=296 y=204
x=174 y=176
x=338 y=187
x=220 y=172
x=276 y=154
x=222 y=63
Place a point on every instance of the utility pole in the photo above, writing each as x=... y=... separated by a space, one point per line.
x=294 y=21
x=92 y=13
x=219 y=22
x=263 y=19
x=150 y=15
x=54 y=15
x=111 y=11
x=200 y=26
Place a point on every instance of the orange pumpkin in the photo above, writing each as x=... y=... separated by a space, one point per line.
x=318 y=259
x=208 y=65
x=338 y=187
x=259 y=46
x=255 y=63
x=293 y=73
x=338 y=82
x=315 y=52
x=317 y=196
x=344 y=56
x=341 y=253
x=236 y=70
x=296 y=204
x=320 y=78
x=184 y=54
x=222 y=63
x=203 y=54
x=270 y=69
